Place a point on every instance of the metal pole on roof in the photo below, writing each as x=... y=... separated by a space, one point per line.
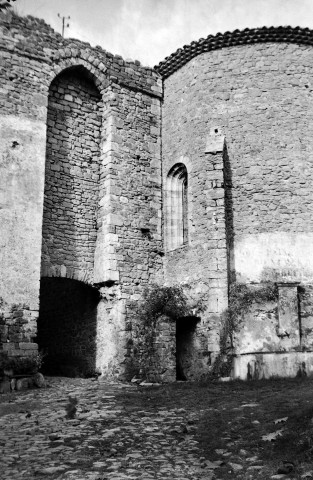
x=63 y=23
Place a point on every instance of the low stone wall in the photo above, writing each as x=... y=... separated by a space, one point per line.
x=18 y=329
x=17 y=383
x=256 y=366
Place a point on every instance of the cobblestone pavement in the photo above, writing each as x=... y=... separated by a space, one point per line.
x=105 y=440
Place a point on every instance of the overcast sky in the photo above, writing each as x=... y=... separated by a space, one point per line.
x=150 y=30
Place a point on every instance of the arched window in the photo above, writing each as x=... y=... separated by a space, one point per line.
x=177 y=207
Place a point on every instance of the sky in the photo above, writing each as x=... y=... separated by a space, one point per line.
x=150 y=30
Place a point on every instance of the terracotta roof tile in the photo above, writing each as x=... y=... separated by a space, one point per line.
x=238 y=37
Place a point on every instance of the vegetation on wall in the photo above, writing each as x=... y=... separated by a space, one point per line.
x=160 y=308
x=240 y=300
x=21 y=365
x=161 y=301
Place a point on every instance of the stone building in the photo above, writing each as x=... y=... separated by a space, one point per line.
x=115 y=176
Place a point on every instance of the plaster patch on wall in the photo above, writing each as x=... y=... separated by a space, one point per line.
x=279 y=256
x=110 y=337
x=22 y=160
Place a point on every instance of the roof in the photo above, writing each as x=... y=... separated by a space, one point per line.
x=230 y=39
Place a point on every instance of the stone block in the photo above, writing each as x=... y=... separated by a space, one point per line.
x=214 y=144
x=5 y=386
x=23 y=384
x=111 y=238
x=8 y=347
x=111 y=275
x=38 y=380
x=28 y=346
x=114 y=219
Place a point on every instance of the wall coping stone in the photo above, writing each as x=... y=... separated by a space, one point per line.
x=33 y=38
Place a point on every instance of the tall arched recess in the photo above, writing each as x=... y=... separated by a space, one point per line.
x=67 y=316
x=176 y=207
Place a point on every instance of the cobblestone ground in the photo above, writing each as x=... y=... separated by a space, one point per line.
x=125 y=431
x=105 y=440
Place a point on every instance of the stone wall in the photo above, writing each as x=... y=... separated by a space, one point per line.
x=85 y=196
x=71 y=177
x=259 y=97
x=200 y=265
x=102 y=208
x=157 y=349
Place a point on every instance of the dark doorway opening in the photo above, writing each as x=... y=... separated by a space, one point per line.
x=185 y=346
x=67 y=327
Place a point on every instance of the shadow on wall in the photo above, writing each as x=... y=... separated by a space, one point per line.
x=67 y=327
x=229 y=215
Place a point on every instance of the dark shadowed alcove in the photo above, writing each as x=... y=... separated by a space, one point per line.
x=185 y=346
x=67 y=326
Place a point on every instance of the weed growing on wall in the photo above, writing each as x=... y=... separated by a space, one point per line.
x=164 y=301
x=197 y=298
x=21 y=365
x=240 y=300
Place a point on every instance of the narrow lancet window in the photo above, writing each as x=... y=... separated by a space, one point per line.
x=177 y=207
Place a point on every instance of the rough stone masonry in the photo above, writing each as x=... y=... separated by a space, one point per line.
x=93 y=210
